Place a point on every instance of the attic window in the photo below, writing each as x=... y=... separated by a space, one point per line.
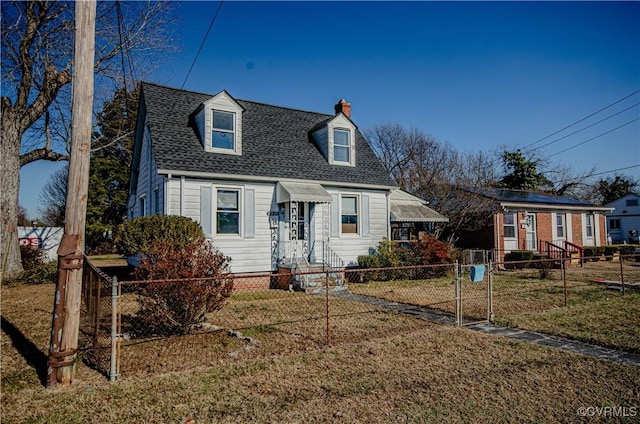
x=223 y=136
x=341 y=145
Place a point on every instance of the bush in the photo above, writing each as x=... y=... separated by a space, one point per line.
x=390 y=254
x=36 y=267
x=593 y=253
x=609 y=251
x=137 y=235
x=184 y=284
x=520 y=257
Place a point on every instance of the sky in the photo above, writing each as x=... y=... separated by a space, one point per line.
x=561 y=77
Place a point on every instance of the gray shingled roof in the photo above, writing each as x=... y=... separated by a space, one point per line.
x=276 y=142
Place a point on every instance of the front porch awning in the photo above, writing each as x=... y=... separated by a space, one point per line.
x=415 y=213
x=301 y=192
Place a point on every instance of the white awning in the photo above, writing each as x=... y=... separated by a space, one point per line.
x=415 y=213
x=301 y=192
x=406 y=207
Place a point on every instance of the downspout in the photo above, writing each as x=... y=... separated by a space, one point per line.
x=388 y=215
x=182 y=182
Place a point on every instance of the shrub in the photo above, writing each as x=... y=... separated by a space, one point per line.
x=137 y=235
x=609 y=251
x=627 y=249
x=390 y=254
x=183 y=285
x=520 y=257
x=36 y=267
x=593 y=253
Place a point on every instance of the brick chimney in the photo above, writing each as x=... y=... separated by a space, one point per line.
x=344 y=107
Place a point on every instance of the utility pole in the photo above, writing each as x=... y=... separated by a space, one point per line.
x=66 y=308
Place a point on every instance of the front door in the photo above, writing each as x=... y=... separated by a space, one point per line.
x=299 y=228
x=531 y=237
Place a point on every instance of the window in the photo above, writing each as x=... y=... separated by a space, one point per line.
x=349 y=214
x=560 y=219
x=143 y=205
x=228 y=212
x=632 y=202
x=614 y=224
x=341 y=145
x=509 y=225
x=156 y=200
x=223 y=136
x=589 y=225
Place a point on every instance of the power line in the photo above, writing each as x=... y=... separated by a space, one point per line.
x=613 y=170
x=583 y=119
x=584 y=128
x=571 y=180
x=592 y=138
x=204 y=39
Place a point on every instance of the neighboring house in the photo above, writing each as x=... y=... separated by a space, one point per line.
x=539 y=222
x=623 y=222
x=269 y=185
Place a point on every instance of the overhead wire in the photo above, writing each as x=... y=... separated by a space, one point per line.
x=584 y=128
x=193 y=63
x=204 y=39
x=581 y=120
x=591 y=139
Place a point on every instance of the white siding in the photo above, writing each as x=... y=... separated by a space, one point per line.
x=629 y=217
x=350 y=246
x=251 y=254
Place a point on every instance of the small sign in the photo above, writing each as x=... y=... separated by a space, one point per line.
x=31 y=242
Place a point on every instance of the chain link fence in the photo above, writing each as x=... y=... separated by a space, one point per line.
x=263 y=315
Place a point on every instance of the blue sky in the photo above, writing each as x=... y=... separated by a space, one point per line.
x=478 y=75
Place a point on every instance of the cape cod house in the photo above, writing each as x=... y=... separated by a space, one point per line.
x=269 y=185
x=543 y=223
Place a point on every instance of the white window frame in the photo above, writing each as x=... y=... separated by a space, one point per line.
x=358 y=214
x=561 y=223
x=341 y=123
x=340 y=146
x=215 y=211
x=589 y=225
x=222 y=102
x=232 y=131
x=511 y=225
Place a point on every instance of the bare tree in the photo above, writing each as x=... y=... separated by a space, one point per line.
x=37 y=48
x=438 y=173
x=53 y=198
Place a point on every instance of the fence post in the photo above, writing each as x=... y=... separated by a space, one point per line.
x=115 y=336
x=622 y=273
x=326 y=290
x=563 y=270
x=490 y=293
x=456 y=276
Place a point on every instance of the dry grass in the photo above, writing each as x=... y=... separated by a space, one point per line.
x=424 y=373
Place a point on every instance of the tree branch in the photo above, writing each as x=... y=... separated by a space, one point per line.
x=42 y=154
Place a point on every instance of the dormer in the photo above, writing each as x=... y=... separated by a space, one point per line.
x=336 y=137
x=219 y=124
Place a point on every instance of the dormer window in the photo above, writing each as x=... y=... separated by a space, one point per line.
x=223 y=136
x=341 y=145
x=218 y=122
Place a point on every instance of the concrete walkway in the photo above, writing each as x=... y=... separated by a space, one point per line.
x=441 y=317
